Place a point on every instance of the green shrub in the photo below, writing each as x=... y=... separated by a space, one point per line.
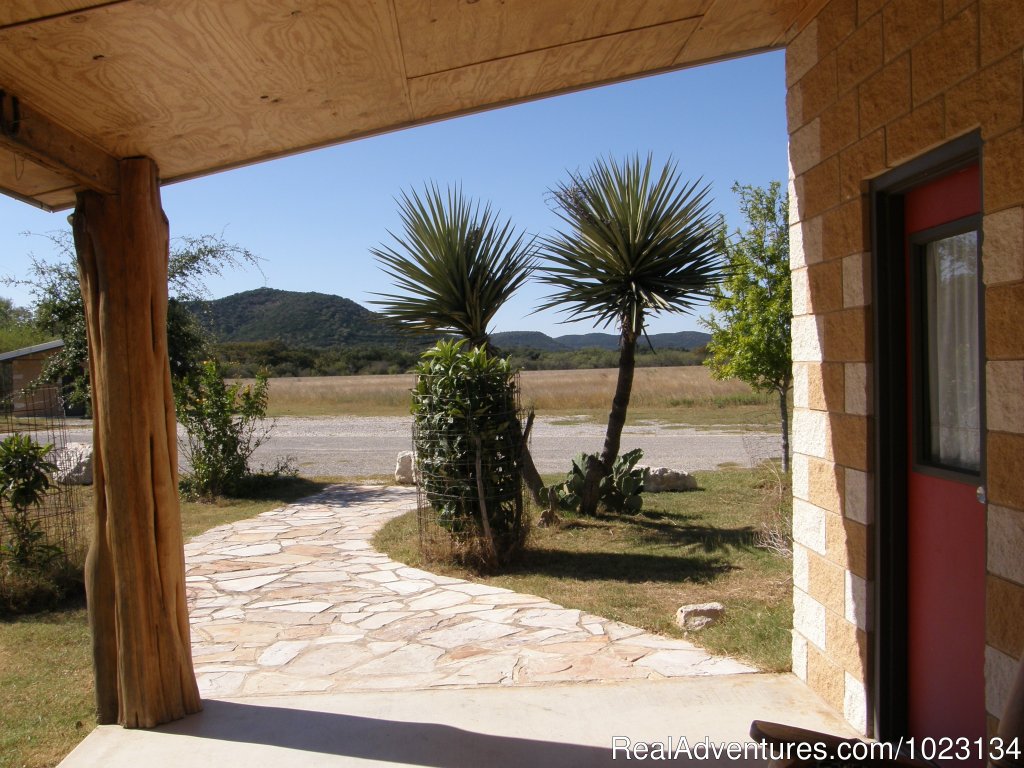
x=224 y=425
x=468 y=450
x=620 y=491
x=34 y=573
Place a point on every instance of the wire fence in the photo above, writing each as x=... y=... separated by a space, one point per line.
x=39 y=414
x=469 y=482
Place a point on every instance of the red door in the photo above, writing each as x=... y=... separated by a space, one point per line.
x=946 y=513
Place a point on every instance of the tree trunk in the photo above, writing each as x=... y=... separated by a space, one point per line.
x=616 y=421
x=135 y=574
x=784 y=414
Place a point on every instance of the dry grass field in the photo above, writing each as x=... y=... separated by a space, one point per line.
x=685 y=395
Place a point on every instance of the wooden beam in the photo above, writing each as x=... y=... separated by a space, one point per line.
x=28 y=132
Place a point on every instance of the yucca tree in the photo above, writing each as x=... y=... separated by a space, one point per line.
x=454 y=266
x=639 y=241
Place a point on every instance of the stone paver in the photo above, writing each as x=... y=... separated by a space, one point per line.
x=297 y=600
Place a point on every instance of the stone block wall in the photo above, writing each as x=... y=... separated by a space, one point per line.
x=871 y=85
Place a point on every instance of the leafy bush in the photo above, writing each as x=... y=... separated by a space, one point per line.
x=620 y=491
x=468 y=451
x=23 y=484
x=34 y=573
x=224 y=425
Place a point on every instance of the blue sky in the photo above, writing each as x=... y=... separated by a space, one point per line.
x=314 y=217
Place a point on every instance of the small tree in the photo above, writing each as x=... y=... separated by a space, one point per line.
x=750 y=330
x=61 y=313
x=24 y=480
x=454 y=267
x=639 y=242
x=224 y=425
x=468 y=451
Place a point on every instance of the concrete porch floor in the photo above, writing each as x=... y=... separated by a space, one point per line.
x=313 y=649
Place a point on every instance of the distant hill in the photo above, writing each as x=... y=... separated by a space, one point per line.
x=325 y=321
x=571 y=342
x=317 y=320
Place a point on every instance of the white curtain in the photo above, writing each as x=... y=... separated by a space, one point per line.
x=954 y=397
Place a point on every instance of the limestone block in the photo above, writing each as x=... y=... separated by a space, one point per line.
x=799 y=656
x=826 y=583
x=946 y=56
x=1006 y=542
x=907 y=136
x=906 y=23
x=699 y=615
x=809 y=618
x=801 y=292
x=801 y=476
x=825 y=286
x=858 y=497
x=74 y=464
x=801 y=569
x=811 y=432
x=1005 y=469
x=1003 y=172
x=1004 y=385
x=1004 y=608
x=857 y=393
x=859 y=163
x=1000 y=672
x=809 y=526
x=1003 y=254
x=839 y=125
x=802 y=53
x=855 y=704
x=860 y=54
x=992 y=98
x=856 y=280
x=858 y=601
x=805 y=147
x=404 y=469
x=807 y=341
x=825 y=677
x=885 y=95
x=1002 y=29
x=661 y=479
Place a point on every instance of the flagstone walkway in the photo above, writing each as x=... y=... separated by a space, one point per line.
x=297 y=600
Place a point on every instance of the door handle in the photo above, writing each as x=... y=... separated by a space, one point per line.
x=980 y=495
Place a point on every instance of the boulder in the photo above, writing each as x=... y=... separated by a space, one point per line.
x=405 y=469
x=699 y=615
x=74 y=464
x=661 y=479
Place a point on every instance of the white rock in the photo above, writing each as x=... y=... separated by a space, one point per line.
x=404 y=473
x=699 y=615
x=74 y=464
x=660 y=479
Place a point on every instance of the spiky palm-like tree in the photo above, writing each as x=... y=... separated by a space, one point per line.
x=455 y=266
x=639 y=241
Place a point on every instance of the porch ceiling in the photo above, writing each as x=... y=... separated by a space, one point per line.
x=201 y=86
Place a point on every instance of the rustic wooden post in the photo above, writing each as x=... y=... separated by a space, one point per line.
x=135 y=573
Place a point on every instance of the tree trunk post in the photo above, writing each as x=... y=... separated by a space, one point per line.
x=135 y=573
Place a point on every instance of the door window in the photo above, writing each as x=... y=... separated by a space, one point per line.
x=949 y=398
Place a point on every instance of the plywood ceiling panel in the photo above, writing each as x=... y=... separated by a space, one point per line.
x=21 y=11
x=29 y=178
x=199 y=85
x=439 y=35
x=552 y=70
x=203 y=85
x=738 y=26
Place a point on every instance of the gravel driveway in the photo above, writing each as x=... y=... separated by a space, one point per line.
x=358 y=446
